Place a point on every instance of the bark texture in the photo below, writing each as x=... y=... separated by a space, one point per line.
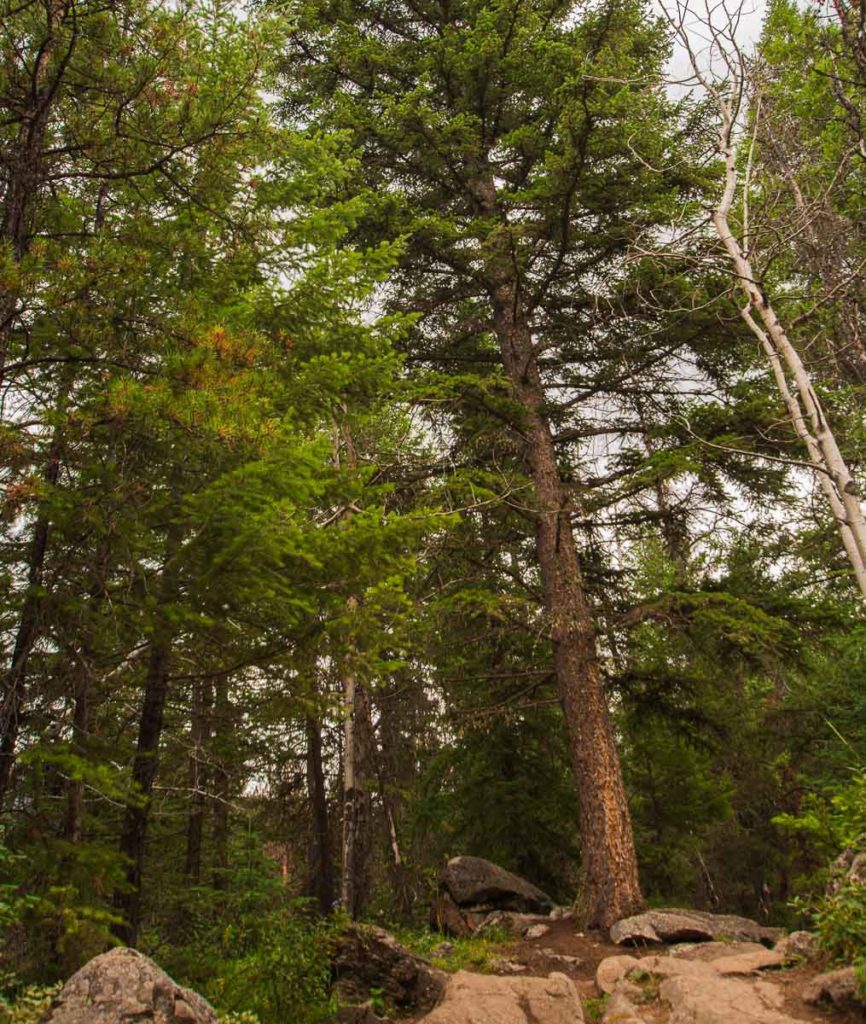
x=610 y=885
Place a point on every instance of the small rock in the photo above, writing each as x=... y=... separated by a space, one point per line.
x=508 y=967
x=442 y=950
x=633 y=931
x=537 y=931
x=798 y=946
x=841 y=987
x=561 y=914
x=620 y=1010
x=563 y=958
x=612 y=970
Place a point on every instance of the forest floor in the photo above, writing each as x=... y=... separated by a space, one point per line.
x=539 y=957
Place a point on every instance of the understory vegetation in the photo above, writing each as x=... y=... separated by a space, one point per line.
x=425 y=429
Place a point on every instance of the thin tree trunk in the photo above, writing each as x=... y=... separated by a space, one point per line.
x=357 y=800
x=80 y=730
x=320 y=884
x=199 y=733
x=29 y=631
x=610 y=888
x=395 y=758
x=220 y=802
x=132 y=841
x=804 y=408
x=145 y=763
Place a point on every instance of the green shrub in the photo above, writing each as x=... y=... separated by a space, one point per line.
x=27 y=1006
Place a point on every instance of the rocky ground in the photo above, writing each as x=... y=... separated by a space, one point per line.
x=660 y=967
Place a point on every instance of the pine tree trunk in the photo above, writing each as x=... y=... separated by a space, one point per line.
x=132 y=841
x=320 y=884
x=145 y=763
x=610 y=885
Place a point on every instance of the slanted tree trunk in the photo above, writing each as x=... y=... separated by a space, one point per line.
x=320 y=882
x=609 y=876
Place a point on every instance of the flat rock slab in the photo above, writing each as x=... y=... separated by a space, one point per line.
x=671 y=926
x=709 y=951
x=702 y=998
x=124 y=986
x=488 y=999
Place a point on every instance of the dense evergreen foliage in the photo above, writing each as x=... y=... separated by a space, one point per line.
x=380 y=482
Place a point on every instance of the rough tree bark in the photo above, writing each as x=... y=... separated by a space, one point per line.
x=610 y=887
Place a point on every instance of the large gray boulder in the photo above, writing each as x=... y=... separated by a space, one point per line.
x=475 y=882
x=369 y=960
x=124 y=987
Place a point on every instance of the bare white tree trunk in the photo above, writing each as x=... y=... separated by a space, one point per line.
x=729 y=92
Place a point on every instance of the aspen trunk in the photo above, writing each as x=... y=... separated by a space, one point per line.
x=804 y=408
x=357 y=801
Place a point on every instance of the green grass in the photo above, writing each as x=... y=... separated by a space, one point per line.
x=472 y=954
